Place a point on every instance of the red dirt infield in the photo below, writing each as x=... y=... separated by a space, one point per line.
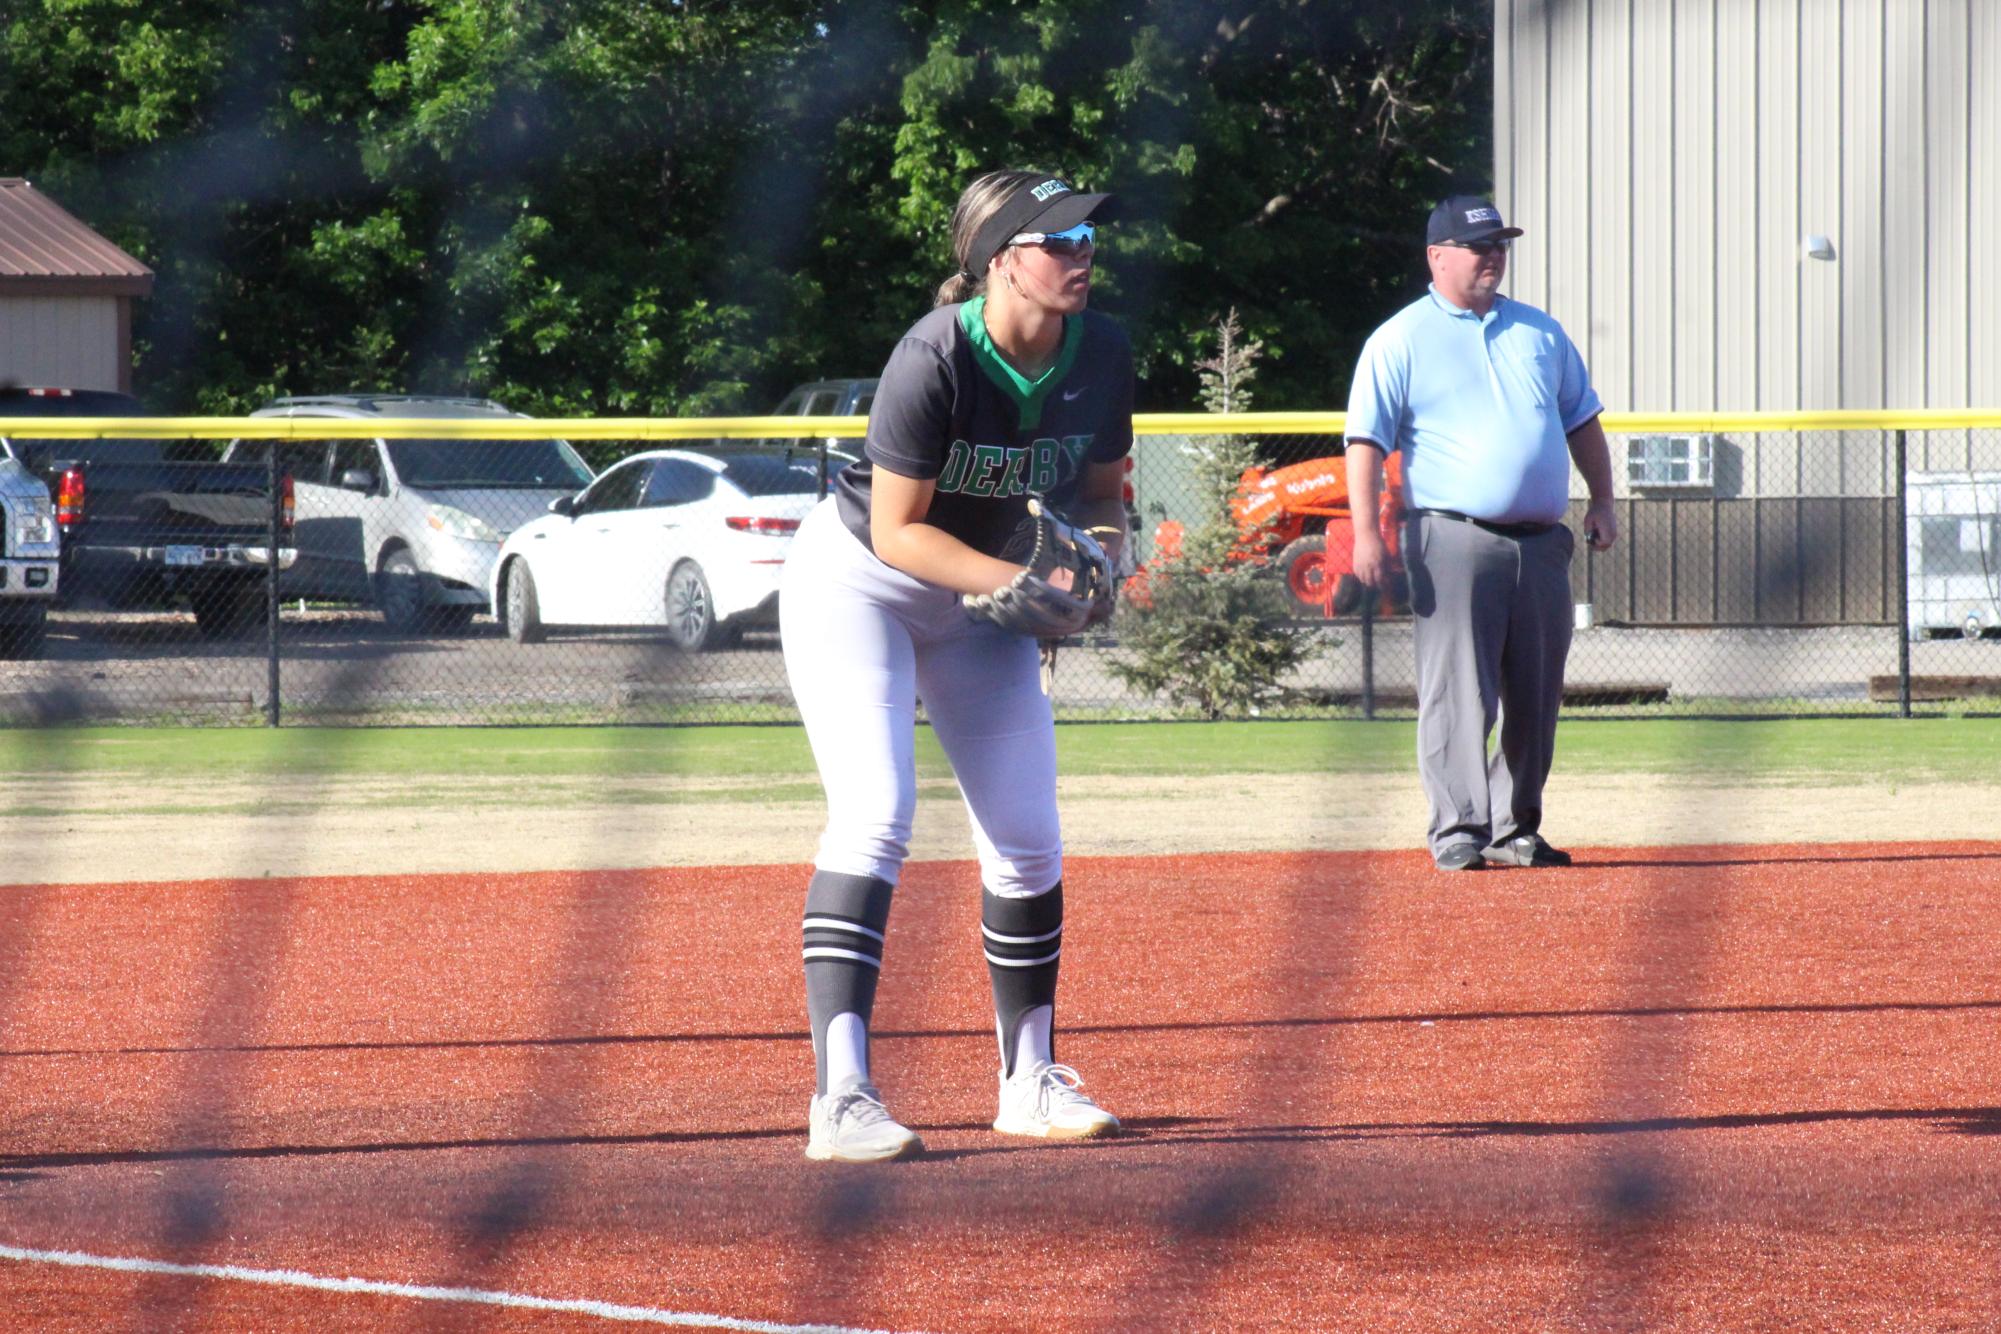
x=1693 y=1088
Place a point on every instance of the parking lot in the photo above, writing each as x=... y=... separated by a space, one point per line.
x=345 y=666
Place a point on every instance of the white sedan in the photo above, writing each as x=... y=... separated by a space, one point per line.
x=685 y=540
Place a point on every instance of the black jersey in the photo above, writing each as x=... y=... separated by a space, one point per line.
x=950 y=408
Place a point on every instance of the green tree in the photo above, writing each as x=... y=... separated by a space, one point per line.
x=1209 y=631
x=1278 y=157
x=600 y=206
x=581 y=166
x=1226 y=377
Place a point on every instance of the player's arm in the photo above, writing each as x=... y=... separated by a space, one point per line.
x=1365 y=493
x=1101 y=506
x=897 y=506
x=1593 y=458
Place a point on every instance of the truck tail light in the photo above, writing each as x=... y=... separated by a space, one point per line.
x=769 y=527
x=286 y=499
x=69 y=498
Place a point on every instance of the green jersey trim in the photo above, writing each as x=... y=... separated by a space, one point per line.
x=1028 y=395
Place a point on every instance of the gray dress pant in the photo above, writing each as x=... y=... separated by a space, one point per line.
x=1492 y=618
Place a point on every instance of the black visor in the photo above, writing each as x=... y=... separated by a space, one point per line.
x=1046 y=205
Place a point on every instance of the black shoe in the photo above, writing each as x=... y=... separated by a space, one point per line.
x=1528 y=850
x=1460 y=857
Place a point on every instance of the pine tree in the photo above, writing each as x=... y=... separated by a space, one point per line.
x=1208 y=633
x=1225 y=378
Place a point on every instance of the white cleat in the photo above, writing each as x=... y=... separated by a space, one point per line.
x=853 y=1126
x=1048 y=1101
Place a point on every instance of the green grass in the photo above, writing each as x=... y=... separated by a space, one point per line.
x=1837 y=750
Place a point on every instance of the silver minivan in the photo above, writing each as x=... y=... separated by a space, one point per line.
x=411 y=525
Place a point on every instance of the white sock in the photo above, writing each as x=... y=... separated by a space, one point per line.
x=847 y=1052
x=1032 y=1041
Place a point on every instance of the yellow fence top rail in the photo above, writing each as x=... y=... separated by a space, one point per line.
x=793 y=428
x=431 y=428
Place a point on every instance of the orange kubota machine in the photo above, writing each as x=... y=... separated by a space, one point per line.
x=1296 y=520
x=1297 y=517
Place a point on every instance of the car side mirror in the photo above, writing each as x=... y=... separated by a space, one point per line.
x=358 y=479
x=563 y=505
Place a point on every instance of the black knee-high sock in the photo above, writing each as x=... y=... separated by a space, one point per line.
x=846 y=916
x=1023 y=939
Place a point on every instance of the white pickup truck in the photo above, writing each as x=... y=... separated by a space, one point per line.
x=30 y=552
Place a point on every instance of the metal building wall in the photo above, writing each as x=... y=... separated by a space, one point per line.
x=1668 y=158
x=67 y=341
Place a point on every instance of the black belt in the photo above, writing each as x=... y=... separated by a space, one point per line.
x=1514 y=530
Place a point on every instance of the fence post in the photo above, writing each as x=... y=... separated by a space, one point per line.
x=1369 y=596
x=273 y=521
x=1903 y=587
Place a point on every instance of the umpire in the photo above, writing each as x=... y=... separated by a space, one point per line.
x=1489 y=402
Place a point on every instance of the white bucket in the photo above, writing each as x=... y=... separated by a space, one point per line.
x=1581 y=615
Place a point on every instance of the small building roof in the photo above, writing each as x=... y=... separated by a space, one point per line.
x=44 y=250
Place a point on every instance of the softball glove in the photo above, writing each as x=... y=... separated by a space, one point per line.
x=1066 y=584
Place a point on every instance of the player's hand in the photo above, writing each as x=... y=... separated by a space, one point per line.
x=1372 y=558
x=1065 y=585
x=1601 y=525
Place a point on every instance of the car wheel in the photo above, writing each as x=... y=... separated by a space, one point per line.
x=691 y=610
x=519 y=606
x=22 y=633
x=229 y=610
x=399 y=591
x=1303 y=565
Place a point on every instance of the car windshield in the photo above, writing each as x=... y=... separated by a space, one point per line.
x=778 y=474
x=521 y=464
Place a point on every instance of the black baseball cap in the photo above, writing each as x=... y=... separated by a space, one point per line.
x=1466 y=218
x=1039 y=204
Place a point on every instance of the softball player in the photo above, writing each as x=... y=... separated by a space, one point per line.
x=1008 y=387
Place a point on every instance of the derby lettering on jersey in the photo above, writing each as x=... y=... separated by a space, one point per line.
x=980 y=478
x=1076 y=448
x=955 y=466
x=1057 y=462
x=1004 y=472
x=1042 y=474
x=1010 y=482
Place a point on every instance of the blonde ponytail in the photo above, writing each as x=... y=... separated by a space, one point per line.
x=977 y=203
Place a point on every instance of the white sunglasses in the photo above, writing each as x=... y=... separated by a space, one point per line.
x=1078 y=240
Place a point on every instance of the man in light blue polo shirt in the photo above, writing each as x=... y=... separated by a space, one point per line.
x=1490 y=404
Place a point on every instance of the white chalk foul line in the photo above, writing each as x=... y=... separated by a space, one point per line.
x=292 y=1278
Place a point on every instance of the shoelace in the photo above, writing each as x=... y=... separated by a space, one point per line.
x=1060 y=1086
x=861 y=1107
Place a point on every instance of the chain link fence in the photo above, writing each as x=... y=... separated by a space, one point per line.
x=307 y=573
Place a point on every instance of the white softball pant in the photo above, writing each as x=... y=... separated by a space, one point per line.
x=864 y=642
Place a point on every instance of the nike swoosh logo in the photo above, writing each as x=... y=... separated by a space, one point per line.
x=1070 y=394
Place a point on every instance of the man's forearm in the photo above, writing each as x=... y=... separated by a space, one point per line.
x=1365 y=484
x=1593 y=458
